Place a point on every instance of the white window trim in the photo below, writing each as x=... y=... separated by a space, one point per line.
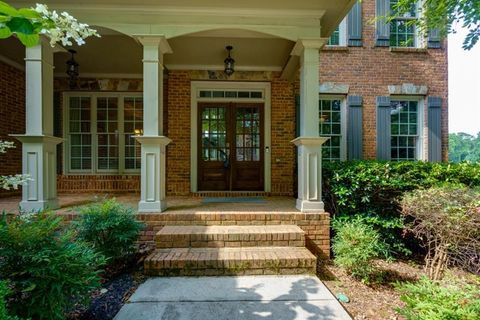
x=196 y=87
x=343 y=121
x=67 y=170
x=342 y=34
x=420 y=41
x=421 y=127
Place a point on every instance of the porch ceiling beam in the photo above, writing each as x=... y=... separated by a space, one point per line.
x=291 y=68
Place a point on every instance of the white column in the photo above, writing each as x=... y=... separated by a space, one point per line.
x=309 y=143
x=39 y=151
x=153 y=166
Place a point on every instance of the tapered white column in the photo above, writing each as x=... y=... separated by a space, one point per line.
x=309 y=143
x=39 y=151
x=153 y=165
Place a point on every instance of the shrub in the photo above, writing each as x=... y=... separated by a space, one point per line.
x=47 y=270
x=4 y=291
x=355 y=245
x=433 y=300
x=373 y=190
x=447 y=222
x=109 y=227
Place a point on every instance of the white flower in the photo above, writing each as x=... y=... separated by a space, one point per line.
x=41 y=8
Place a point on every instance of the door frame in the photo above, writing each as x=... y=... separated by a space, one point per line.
x=196 y=87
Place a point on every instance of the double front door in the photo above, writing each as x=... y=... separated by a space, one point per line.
x=230 y=153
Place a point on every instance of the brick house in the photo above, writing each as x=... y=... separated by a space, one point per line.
x=312 y=80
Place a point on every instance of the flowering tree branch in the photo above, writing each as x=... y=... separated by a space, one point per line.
x=13 y=181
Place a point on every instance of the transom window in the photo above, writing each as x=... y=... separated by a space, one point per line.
x=100 y=132
x=404 y=130
x=237 y=94
x=402 y=28
x=330 y=117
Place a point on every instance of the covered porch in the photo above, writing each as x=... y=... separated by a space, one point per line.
x=170 y=61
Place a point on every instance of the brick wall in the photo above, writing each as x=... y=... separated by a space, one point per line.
x=12 y=119
x=369 y=69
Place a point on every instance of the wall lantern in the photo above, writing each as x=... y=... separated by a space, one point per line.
x=72 y=69
x=229 y=62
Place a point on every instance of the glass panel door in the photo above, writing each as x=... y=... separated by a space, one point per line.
x=107 y=133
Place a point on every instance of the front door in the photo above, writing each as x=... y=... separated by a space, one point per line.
x=230 y=146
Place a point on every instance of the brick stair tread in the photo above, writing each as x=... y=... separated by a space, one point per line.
x=236 y=229
x=267 y=260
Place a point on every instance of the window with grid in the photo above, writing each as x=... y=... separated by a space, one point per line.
x=404 y=130
x=330 y=117
x=247 y=134
x=133 y=125
x=107 y=133
x=334 y=39
x=402 y=28
x=80 y=133
x=214 y=134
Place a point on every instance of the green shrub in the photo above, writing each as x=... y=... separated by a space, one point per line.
x=109 y=227
x=355 y=246
x=446 y=300
x=372 y=189
x=47 y=269
x=4 y=291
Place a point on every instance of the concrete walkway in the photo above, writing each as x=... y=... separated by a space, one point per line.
x=221 y=298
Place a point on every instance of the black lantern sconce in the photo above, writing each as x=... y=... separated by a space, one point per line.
x=72 y=69
x=229 y=62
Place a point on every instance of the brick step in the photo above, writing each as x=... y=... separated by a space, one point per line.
x=230 y=236
x=230 y=261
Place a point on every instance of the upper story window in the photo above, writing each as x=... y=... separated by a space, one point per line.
x=99 y=131
x=403 y=32
x=339 y=36
x=332 y=124
x=405 y=130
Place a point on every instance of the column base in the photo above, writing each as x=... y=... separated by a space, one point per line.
x=152 y=206
x=310 y=206
x=39 y=206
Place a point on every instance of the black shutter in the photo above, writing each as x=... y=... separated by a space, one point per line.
x=354 y=128
x=382 y=10
x=383 y=128
x=354 y=25
x=434 y=129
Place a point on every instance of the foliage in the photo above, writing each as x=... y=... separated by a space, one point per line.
x=463 y=147
x=4 y=291
x=434 y=300
x=47 y=270
x=13 y=181
x=372 y=189
x=447 y=222
x=355 y=245
x=443 y=15
x=29 y=23
x=109 y=227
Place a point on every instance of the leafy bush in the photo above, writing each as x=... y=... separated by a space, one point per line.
x=447 y=222
x=47 y=270
x=372 y=189
x=109 y=227
x=355 y=245
x=4 y=291
x=433 y=300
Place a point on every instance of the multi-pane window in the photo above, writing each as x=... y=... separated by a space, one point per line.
x=133 y=125
x=80 y=133
x=404 y=130
x=100 y=130
x=339 y=35
x=334 y=39
x=402 y=28
x=214 y=134
x=247 y=134
x=330 y=117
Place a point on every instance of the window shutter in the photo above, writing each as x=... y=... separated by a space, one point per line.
x=383 y=128
x=354 y=128
x=354 y=25
x=382 y=27
x=434 y=39
x=434 y=129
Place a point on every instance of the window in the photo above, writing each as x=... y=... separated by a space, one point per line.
x=100 y=130
x=339 y=36
x=402 y=29
x=332 y=125
x=405 y=124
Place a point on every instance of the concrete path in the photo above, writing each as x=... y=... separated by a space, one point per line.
x=222 y=298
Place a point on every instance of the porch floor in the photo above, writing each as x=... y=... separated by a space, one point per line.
x=68 y=202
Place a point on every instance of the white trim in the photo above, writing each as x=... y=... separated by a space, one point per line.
x=422 y=128
x=104 y=75
x=195 y=87
x=343 y=121
x=219 y=67
x=93 y=132
x=12 y=63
